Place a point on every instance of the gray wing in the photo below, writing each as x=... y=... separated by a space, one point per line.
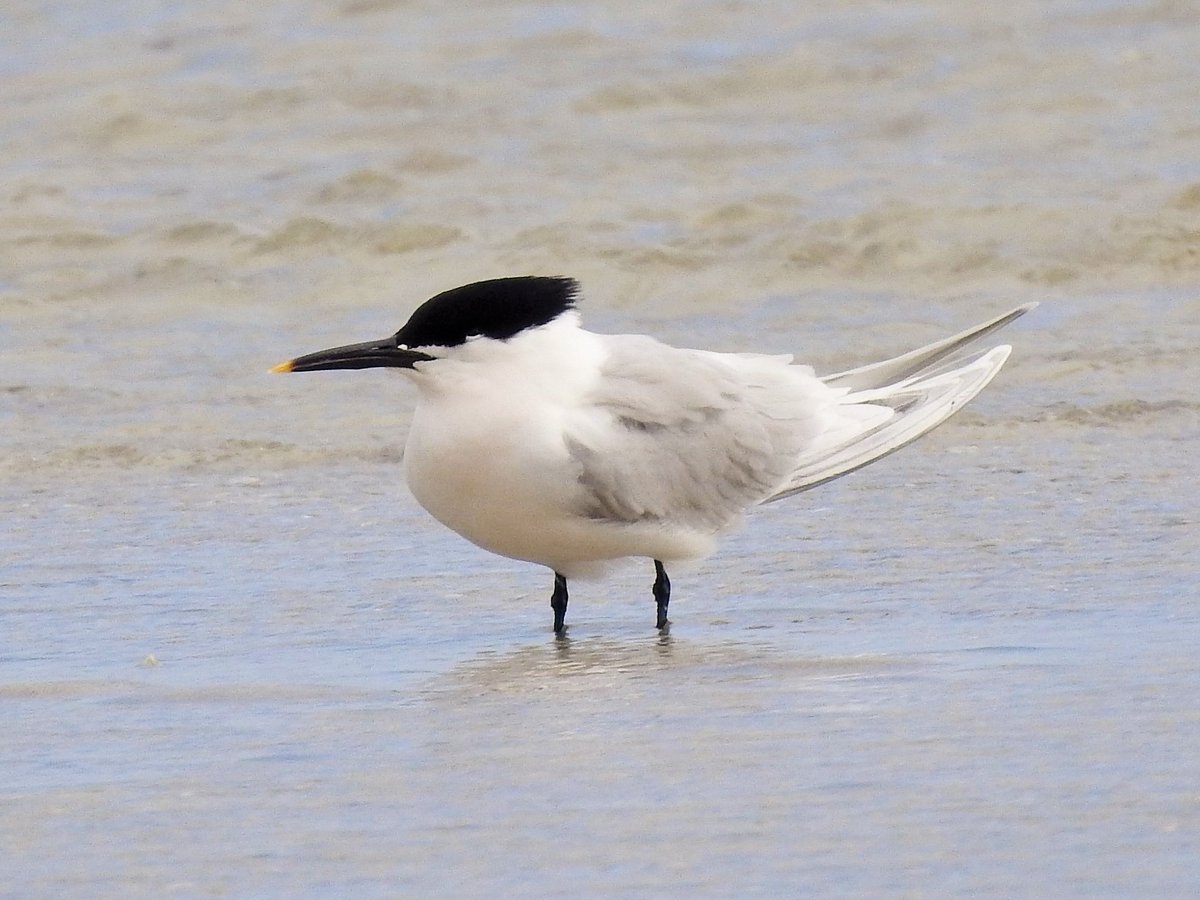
x=923 y=361
x=923 y=388
x=689 y=438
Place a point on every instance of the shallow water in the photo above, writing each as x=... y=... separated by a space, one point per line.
x=236 y=658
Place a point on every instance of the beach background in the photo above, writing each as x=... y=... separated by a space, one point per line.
x=236 y=659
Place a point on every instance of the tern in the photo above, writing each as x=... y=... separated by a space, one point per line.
x=540 y=441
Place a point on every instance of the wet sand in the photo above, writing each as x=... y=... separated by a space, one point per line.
x=236 y=658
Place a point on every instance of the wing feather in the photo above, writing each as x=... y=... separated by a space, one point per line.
x=689 y=438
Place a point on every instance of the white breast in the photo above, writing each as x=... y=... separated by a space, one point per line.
x=486 y=454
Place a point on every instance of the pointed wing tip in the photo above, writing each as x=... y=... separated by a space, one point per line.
x=1001 y=350
x=1015 y=313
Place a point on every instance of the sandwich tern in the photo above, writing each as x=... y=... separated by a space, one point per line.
x=540 y=441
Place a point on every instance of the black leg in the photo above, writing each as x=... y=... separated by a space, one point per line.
x=558 y=603
x=662 y=594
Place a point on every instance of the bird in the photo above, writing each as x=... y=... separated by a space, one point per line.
x=540 y=441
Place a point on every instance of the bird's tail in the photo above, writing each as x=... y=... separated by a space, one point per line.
x=922 y=389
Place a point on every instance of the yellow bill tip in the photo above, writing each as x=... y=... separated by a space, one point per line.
x=284 y=366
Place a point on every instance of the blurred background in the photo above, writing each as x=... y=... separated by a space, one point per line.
x=236 y=658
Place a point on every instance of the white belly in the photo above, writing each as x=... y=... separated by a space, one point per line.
x=509 y=486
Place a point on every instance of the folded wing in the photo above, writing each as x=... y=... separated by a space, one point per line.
x=923 y=388
x=691 y=439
